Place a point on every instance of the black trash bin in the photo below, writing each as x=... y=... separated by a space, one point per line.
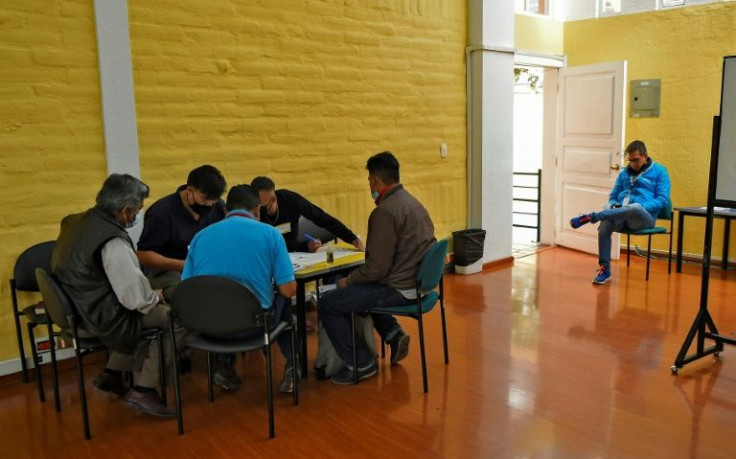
x=469 y=250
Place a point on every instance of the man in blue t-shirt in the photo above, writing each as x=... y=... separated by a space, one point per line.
x=245 y=250
x=641 y=192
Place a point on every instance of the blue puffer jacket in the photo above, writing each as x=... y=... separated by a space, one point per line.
x=650 y=188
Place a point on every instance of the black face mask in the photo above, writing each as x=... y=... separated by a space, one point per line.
x=201 y=209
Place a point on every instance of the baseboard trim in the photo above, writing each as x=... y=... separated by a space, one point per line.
x=13 y=366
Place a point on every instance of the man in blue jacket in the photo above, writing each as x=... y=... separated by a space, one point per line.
x=641 y=192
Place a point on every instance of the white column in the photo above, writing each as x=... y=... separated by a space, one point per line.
x=116 y=79
x=490 y=123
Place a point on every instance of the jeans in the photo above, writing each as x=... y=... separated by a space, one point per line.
x=632 y=217
x=335 y=310
x=278 y=312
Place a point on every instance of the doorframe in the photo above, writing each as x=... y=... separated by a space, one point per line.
x=551 y=64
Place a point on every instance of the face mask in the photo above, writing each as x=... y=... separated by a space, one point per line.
x=374 y=195
x=138 y=219
x=201 y=209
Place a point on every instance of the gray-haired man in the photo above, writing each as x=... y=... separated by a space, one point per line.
x=95 y=262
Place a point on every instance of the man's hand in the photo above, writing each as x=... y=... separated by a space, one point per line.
x=342 y=283
x=359 y=244
x=160 y=295
x=312 y=246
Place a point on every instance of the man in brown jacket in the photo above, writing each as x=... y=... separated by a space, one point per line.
x=399 y=234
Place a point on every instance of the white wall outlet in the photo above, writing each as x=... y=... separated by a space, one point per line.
x=443 y=150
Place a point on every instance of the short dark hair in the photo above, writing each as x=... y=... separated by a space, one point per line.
x=262 y=183
x=637 y=145
x=385 y=166
x=208 y=180
x=119 y=191
x=242 y=197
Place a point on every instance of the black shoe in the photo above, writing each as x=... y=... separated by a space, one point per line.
x=109 y=383
x=345 y=376
x=226 y=379
x=148 y=402
x=287 y=385
x=399 y=347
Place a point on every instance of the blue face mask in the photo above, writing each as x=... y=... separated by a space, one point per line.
x=138 y=219
x=374 y=195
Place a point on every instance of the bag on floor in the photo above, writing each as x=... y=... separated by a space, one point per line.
x=328 y=363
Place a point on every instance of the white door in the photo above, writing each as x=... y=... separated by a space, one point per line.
x=590 y=137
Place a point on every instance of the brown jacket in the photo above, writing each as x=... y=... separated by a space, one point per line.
x=399 y=234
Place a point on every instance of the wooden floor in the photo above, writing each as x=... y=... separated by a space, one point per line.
x=542 y=364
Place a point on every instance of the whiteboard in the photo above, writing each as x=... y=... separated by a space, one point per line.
x=726 y=178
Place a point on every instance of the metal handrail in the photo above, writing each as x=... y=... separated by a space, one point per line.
x=538 y=200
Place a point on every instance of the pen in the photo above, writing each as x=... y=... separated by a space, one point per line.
x=311 y=238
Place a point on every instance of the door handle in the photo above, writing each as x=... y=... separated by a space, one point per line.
x=616 y=167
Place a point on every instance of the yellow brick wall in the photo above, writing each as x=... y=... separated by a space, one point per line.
x=684 y=47
x=304 y=92
x=51 y=147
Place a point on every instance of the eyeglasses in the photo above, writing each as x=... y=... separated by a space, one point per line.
x=634 y=160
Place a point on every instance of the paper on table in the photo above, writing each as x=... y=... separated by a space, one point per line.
x=301 y=260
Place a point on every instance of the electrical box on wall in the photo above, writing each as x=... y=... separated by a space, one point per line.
x=645 y=98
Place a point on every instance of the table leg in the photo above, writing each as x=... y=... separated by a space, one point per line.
x=726 y=241
x=680 y=232
x=301 y=318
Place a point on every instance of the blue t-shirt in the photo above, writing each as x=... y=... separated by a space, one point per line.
x=244 y=250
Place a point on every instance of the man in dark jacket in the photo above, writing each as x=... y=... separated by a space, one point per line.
x=96 y=265
x=282 y=209
x=399 y=234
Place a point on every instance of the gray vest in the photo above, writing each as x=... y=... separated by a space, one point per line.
x=77 y=264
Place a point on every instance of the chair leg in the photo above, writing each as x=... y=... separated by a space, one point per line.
x=649 y=253
x=162 y=367
x=19 y=334
x=177 y=387
x=294 y=363
x=444 y=330
x=210 y=391
x=269 y=390
x=424 y=357
x=36 y=366
x=82 y=394
x=54 y=370
x=628 y=249
x=669 y=257
x=355 y=348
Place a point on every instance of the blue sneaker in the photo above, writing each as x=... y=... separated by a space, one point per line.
x=604 y=275
x=580 y=220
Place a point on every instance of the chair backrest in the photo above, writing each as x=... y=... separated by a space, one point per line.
x=433 y=264
x=36 y=256
x=57 y=303
x=307 y=226
x=666 y=212
x=216 y=306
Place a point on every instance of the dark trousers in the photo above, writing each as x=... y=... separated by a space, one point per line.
x=278 y=312
x=335 y=310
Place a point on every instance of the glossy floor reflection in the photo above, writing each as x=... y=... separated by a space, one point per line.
x=542 y=364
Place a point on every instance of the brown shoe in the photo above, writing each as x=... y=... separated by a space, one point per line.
x=148 y=402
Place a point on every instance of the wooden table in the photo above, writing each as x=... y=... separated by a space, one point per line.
x=303 y=276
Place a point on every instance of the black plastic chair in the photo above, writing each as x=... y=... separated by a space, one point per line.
x=212 y=306
x=24 y=280
x=664 y=214
x=61 y=312
x=429 y=277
